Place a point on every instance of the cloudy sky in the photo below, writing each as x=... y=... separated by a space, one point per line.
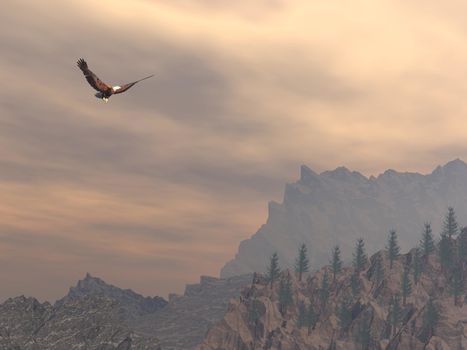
x=159 y=185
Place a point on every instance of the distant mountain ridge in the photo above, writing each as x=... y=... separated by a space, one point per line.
x=339 y=206
x=134 y=303
x=95 y=315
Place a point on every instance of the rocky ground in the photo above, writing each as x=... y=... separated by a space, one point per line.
x=256 y=320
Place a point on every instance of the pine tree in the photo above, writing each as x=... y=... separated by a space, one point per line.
x=324 y=290
x=274 y=270
x=427 y=244
x=311 y=318
x=360 y=258
x=393 y=247
x=417 y=265
x=456 y=283
x=336 y=263
x=462 y=246
x=446 y=253
x=395 y=313
x=450 y=227
x=355 y=285
x=378 y=269
x=406 y=286
x=302 y=316
x=301 y=263
x=430 y=320
x=344 y=313
x=285 y=293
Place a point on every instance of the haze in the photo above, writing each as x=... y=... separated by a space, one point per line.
x=159 y=185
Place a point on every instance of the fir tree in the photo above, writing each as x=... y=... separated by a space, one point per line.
x=274 y=270
x=406 y=286
x=344 y=313
x=302 y=316
x=446 y=253
x=336 y=263
x=427 y=244
x=457 y=284
x=430 y=320
x=395 y=313
x=355 y=285
x=450 y=227
x=301 y=263
x=462 y=246
x=324 y=290
x=285 y=293
x=378 y=269
x=417 y=265
x=393 y=247
x=311 y=318
x=360 y=258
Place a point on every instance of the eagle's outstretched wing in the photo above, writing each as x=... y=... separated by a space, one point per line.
x=92 y=79
x=123 y=88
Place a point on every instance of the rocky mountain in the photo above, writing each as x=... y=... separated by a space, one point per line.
x=86 y=323
x=360 y=310
x=134 y=304
x=339 y=206
x=97 y=316
x=183 y=323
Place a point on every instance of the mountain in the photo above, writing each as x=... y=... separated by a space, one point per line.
x=96 y=323
x=358 y=311
x=134 y=304
x=340 y=206
x=95 y=315
x=183 y=323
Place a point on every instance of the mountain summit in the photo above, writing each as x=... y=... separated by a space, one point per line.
x=340 y=206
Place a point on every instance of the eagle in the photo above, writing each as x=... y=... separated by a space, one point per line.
x=104 y=91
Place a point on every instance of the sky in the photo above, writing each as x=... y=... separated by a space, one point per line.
x=159 y=185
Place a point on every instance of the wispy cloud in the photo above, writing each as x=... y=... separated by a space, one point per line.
x=159 y=185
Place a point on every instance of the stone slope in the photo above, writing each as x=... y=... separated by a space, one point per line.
x=183 y=323
x=134 y=304
x=255 y=320
x=337 y=207
x=90 y=323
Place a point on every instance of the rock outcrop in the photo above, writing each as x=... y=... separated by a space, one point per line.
x=183 y=323
x=339 y=206
x=352 y=313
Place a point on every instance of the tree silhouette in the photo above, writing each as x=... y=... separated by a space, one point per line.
x=360 y=258
x=393 y=247
x=336 y=263
x=427 y=244
x=450 y=227
x=274 y=270
x=301 y=263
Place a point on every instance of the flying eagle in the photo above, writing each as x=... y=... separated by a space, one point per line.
x=104 y=90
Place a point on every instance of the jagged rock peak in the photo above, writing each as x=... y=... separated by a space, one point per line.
x=94 y=286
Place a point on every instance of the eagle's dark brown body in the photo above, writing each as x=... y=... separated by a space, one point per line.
x=104 y=90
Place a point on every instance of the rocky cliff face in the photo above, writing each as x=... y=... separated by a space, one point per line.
x=347 y=317
x=183 y=323
x=337 y=207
